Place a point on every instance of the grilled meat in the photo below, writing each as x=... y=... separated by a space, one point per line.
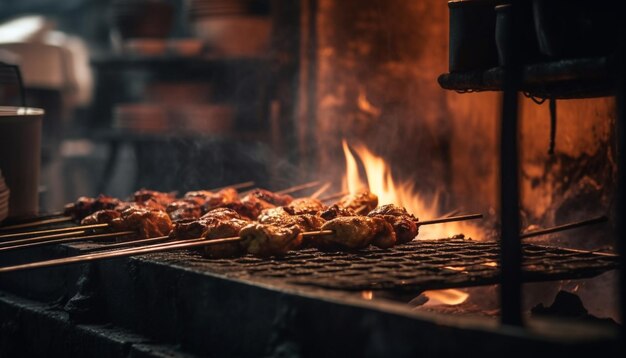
x=267 y=196
x=356 y=232
x=101 y=217
x=215 y=200
x=216 y=224
x=218 y=229
x=270 y=240
x=336 y=211
x=85 y=206
x=147 y=223
x=281 y=217
x=304 y=206
x=184 y=209
x=361 y=203
x=150 y=204
x=403 y=223
x=160 y=197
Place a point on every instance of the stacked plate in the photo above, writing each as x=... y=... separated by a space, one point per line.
x=4 y=198
x=232 y=27
x=142 y=117
x=203 y=118
x=203 y=8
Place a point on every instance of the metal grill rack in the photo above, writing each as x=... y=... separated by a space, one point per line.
x=418 y=265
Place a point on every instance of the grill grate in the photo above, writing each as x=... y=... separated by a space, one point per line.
x=418 y=265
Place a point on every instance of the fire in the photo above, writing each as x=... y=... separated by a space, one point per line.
x=445 y=297
x=379 y=180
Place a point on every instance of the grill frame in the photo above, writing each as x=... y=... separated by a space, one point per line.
x=416 y=266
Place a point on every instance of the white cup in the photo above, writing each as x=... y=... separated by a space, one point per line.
x=20 y=155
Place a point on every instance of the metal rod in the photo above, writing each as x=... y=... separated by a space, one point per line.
x=245 y=184
x=450 y=219
x=574 y=225
x=293 y=189
x=620 y=135
x=127 y=243
x=40 y=238
x=321 y=190
x=53 y=231
x=120 y=253
x=334 y=196
x=510 y=243
x=65 y=239
x=37 y=223
x=43 y=238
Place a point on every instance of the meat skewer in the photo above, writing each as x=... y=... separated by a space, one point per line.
x=67 y=215
x=147 y=216
x=278 y=231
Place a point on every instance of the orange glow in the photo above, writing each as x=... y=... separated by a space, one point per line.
x=367 y=295
x=379 y=180
x=445 y=297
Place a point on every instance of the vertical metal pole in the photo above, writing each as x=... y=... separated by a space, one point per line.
x=620 y=135
x=510 y=245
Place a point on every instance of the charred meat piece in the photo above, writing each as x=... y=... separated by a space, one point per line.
x=249 y=207
x=336 y=211
x=219 y=229
x=403 y=223
x=219 y=199
x=85 y=206
x=357 y=232
x=101 y=217
x=222 y=214
x=149 y=204
x=281 y=217
x=183 y=209
x=160 y=197
x=147 y=223
x=304 y=206
x=216 y=224
x=188 y=229
x=267 y=196
x=361 y=203
x=269 y=240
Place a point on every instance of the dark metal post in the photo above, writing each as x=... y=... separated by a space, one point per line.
x=510 y=245
x=620 y=135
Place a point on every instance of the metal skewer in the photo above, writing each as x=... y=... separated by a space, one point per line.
x=296 y=188
x=52 y=231
x=334 y=196
x=175 y=245
x=245 y=184
x=10 y=244
x=451 y=218
x=65 y=239
x=127 y=243
x=63 y=219
x=574 y=225
x=321 y=190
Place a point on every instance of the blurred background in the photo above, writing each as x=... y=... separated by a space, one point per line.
x=166 y=94
x=179 y=95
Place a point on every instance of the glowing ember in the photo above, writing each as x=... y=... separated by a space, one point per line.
x=379 y=180
x=367 y=295
x=445 y=297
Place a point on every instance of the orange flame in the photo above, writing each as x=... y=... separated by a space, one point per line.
x=445 y=297
x=380 y=181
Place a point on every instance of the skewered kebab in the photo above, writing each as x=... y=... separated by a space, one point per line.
x=278 y=228
x=202 y=242
x=85 y=206
x=156 y=223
